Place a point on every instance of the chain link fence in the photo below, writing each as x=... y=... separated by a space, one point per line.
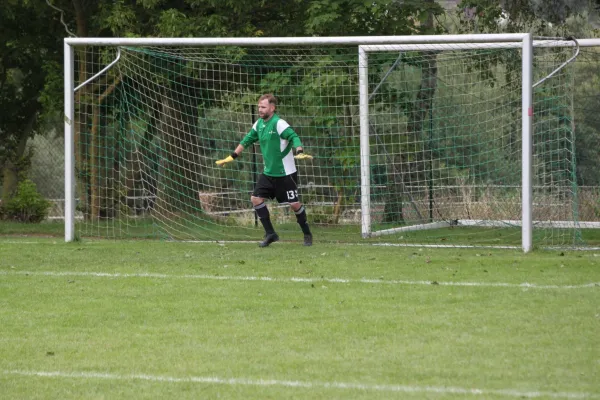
x=48 y=169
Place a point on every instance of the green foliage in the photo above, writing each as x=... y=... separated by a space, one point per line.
x=542 y=17
x=548 y=18
x=27 y=205
x=27 y=50
x=119 y=18
x=360 y=17
x=53 y=84
x=321 y=92
x=557 y=11
x=173 y=23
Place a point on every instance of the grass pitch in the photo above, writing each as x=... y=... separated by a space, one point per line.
x=151 y=319
x=185 y=230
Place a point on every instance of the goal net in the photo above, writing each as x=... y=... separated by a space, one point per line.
x=444 y=142
x=447 y=143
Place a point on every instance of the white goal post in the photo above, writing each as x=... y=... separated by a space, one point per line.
x=525 y=43
x=521 y=42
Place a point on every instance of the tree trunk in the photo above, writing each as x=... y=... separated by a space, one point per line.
x=393 y=211
x=339 y=204
x=422 y=105
x=179 y=170
x=81 y=109
x=94 y=160
x=80 y=18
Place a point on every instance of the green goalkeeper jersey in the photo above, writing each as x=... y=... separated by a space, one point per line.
x=276 y=139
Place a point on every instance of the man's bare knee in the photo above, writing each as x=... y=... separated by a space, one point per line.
x=256 y=200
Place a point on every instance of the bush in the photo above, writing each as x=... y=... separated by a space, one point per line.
x=27 y=205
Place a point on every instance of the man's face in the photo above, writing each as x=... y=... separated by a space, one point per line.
x=265 y=109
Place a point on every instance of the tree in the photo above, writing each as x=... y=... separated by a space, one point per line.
x=220 y=18
x=146 y=18
x=186 y=18
x=552 y=18
x=557 y=11
x=29 y=52
x=542 y=17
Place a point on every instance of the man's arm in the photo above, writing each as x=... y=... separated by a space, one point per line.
x=232 y=157
x=238 y=150
x=290 y=135
x=250 y=138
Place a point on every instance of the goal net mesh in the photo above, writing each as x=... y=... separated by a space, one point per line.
x=444 y=131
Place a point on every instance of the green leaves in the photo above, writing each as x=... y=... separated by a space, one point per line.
x=543 y=17
x=150 y=4
x=275 y=82
x=121 y=19
x=53 y=84
x=27 y=205
x=173 y=23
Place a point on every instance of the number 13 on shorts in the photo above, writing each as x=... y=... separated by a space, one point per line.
x=292 y=195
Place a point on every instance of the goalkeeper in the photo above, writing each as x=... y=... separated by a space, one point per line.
x=279 y=178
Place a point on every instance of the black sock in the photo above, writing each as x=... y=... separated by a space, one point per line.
x=301 y=218
x=263 y=214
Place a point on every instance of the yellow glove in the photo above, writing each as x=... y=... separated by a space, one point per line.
x=303 y=156
x=224 y=161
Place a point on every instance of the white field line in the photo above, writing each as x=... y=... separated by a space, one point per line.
x=296 y=279
x=442 y=390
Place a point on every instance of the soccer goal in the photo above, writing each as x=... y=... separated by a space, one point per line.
x=454 y=140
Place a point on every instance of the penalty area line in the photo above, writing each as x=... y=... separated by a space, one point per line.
x=442 y=390
x=524 y=285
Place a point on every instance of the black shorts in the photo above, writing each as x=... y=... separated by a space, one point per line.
x=282 y=188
